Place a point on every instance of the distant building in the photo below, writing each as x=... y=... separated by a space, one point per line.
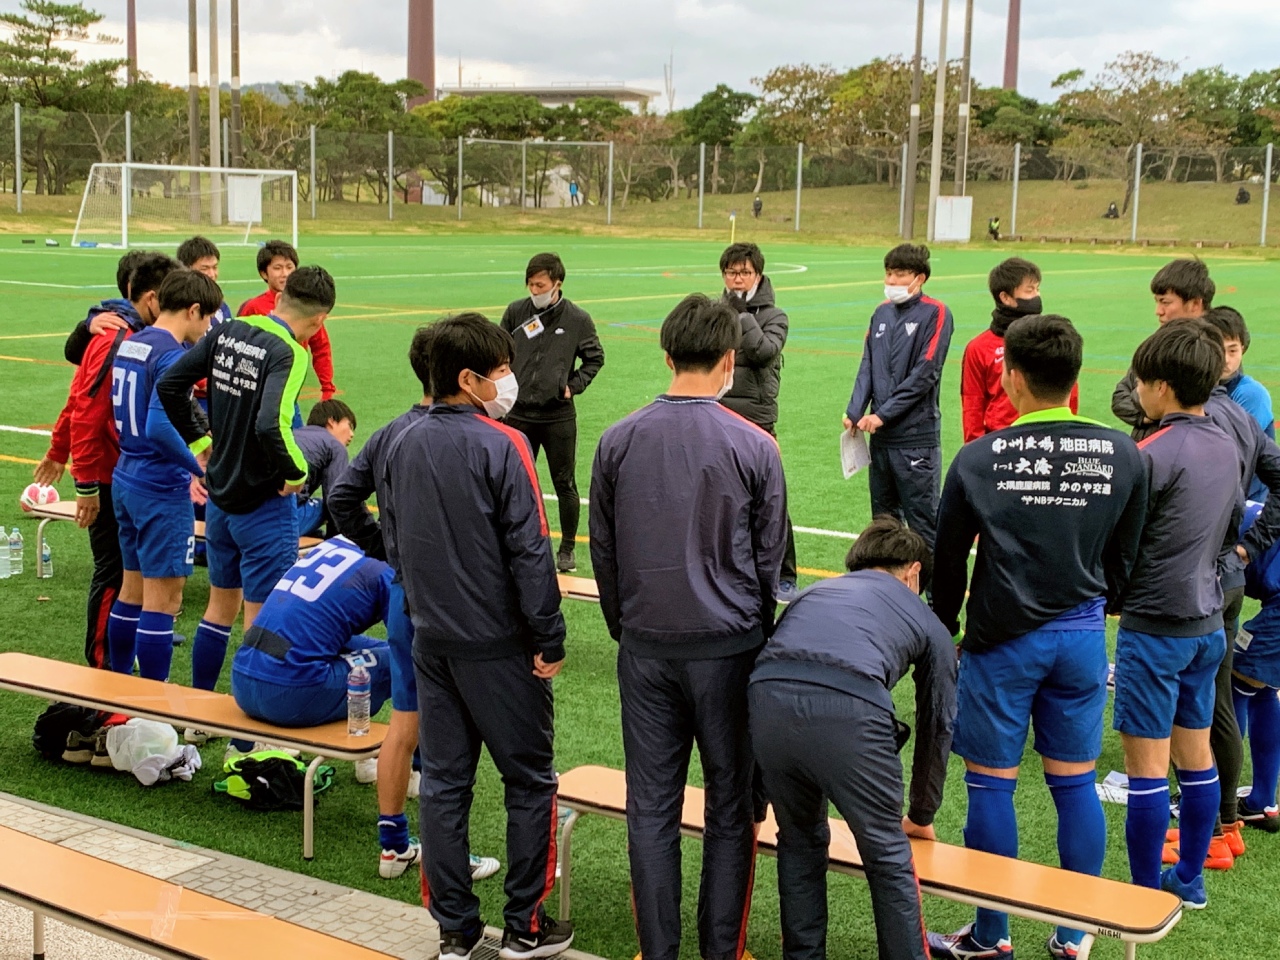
x=560 y=94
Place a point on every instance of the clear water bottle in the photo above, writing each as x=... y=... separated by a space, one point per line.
x=15 y=552
x=46 y=560
x=359 y=694
x=4 y=556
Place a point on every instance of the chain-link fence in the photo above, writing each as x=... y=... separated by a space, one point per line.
x=1075 y=191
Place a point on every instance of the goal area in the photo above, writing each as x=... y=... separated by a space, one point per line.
x=135 y=204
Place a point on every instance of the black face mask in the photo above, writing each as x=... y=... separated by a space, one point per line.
x=1028 y=308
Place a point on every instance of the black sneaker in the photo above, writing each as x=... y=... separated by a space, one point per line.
x=565 y=562
x=1267 y=820
x=79 y=747
x=101 y=758
x=457 y=944
x=554 y=938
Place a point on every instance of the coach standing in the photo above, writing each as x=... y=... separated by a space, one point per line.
x=557 y=356
x=823 y=728
x=758 y=362
x=688 y=524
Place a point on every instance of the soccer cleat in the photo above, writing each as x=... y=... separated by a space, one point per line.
x=962 y=946
x=482 y=868
x=555 y=937
x=787 y=591
x=101 y=758
x=367 y=770
x=1218 y=858
x=1235 y=838
x=415 y=785
x=1192 y=894
x=457 y=945
x=1062 y=951
x=392 y=864
x=565 y=562
x=79 y=747
x=1267 y=820
x=198 y=737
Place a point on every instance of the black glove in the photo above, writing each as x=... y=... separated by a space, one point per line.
x=737 y=301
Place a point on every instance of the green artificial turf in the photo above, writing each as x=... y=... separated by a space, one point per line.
x=386 y=286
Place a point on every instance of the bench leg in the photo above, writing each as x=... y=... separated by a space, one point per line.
x=566 y=855
x=1086 y=947
x=1130 y=951
x=37 y=936
x=309 y=811
x=40 y=571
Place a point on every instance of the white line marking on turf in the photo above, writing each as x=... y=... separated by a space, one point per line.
x=28 y=430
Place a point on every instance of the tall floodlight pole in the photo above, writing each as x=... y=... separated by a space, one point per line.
x=215 y=118
x=131 y=39
x=237 y=154
x=193 y=108
x=913 y=137
x=1012 y=43
x=939 y=121
x=962 y=131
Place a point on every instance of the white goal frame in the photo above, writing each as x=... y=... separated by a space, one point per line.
x=217 y=176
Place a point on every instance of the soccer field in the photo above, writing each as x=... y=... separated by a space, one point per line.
x=389 y=285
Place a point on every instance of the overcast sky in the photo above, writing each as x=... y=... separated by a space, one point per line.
x=713 y=41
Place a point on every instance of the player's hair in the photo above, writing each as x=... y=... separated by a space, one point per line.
x=150 y=272
x=699 y=332
x=909 y=256
x=181 y=288
x=888 y=545
x=272 y=249
x=742 y=253
x=1187 y=355
x=1189 y=279
x=1230 y=323
x=308 y=291
x=420 y=356
x=1008 y=276
x=327 y=410
x=548 y=263
x=1048 y=351
x=467 y=341
x=197 y=248
x=125 y=267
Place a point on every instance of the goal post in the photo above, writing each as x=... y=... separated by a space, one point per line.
x=136 y=204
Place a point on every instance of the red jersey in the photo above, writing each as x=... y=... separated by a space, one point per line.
x=321 y=351
x=986 y=407
x=86 y=428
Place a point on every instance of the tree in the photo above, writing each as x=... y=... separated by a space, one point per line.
x=795 y=102
x=715 y=120
x=46 y=77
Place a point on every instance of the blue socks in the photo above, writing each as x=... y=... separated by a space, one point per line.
x=208 y=651
x=991 y=827
x=393 y=832
x=1242 y=695
x=1082 y=830
x=1264 y=747
x=1201 y=797
x=1145 y=825
x=122 y=635
x=155 y=644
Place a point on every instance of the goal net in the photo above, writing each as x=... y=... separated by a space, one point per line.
x=135 y=204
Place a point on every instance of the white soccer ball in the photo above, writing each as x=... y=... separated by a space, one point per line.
x=38 y=495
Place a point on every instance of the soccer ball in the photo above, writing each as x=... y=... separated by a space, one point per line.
x=38 y=495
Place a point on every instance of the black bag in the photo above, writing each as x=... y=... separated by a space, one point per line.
x=57 y=722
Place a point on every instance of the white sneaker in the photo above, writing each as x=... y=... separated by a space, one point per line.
x=415 y=784
x=198 y=737
x=367 y=770
x=392 y=864
x=482 y=868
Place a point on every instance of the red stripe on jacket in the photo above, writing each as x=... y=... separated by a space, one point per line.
x=937 y=326
x=526 y=458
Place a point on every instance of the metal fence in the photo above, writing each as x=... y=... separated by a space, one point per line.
x=1061 y=193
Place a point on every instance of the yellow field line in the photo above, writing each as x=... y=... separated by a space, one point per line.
x=8 y=459
x=34 y=336
x=46 y=363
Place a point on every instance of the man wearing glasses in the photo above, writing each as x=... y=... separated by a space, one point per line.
x=753 y=393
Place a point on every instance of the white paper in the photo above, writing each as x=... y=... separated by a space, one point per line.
x=854 y=453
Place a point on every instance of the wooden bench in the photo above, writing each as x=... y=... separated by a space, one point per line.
x=578 y=588
x=153 y=916
x=186 y=707
x=1100 y=907
x=66 y=510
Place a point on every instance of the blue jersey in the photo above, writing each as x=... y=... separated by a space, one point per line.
x=153 y=458
x=332 y=594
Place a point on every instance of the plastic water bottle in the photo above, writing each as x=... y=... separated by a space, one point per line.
x=15 y=552
x=4 y=557
x=46 y=560
x=359 y=694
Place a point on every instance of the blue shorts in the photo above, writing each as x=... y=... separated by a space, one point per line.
x=1257 y=655
x=1056 y=679
x=312 y=704
x=404 y=688
x=1163 y=682
x=157 y=535
x=251 y=551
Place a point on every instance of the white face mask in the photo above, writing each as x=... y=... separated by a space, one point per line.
x=542 y=300
x=728 y=385
x=508 y=391
x=895 y=294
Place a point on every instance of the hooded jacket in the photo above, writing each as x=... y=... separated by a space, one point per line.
x=757 y=374
x=549 y=343
x=81 y=336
